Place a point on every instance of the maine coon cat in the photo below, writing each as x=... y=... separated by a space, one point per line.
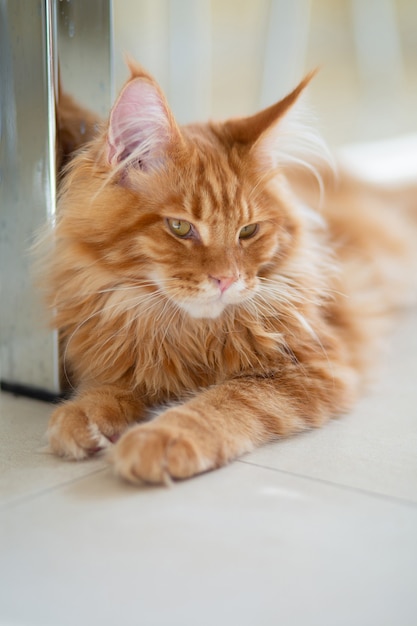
x=188 y=273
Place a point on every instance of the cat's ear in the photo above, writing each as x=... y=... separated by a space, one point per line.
x=282 y=134
x=142 y=129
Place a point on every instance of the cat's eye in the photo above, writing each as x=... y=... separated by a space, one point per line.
x=248 y=231
x=180 y=228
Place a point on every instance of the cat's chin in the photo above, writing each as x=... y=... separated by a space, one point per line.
x=200 y=308
x=203 y=310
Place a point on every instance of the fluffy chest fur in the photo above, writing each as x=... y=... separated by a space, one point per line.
x=138 y=333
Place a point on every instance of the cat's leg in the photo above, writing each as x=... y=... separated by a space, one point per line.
x=226 y=421
x=93 y=419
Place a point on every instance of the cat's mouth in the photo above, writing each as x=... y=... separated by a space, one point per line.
x=208 y=301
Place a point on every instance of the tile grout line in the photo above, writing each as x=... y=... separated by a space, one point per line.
x=42 y=492
x=344 y=487
x=374 y=494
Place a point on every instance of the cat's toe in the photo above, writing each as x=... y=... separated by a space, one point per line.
x=156 y=455
x=72 y=435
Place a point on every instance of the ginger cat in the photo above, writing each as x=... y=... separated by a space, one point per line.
x=185 y=273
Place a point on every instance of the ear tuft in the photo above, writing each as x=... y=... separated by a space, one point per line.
x=141 y=127
x=293 y=140
x=283 y=135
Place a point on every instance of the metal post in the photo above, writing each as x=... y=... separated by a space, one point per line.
x=34 y=36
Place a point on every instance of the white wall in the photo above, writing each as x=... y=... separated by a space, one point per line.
x=220 y=58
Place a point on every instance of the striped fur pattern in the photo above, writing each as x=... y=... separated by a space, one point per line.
x=255 y=324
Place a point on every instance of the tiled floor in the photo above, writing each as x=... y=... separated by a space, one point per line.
x=317 y=530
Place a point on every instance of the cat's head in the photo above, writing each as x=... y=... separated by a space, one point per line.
x=198 y=213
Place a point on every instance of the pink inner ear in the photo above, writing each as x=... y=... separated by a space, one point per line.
x=139 y=128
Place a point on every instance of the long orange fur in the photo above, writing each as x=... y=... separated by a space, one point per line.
x=236 y=341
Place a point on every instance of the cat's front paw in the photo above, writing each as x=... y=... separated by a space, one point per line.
x=71 y=434
x=156 y=454
x=80 y=428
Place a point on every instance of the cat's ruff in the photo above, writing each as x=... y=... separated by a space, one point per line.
x=189 y=266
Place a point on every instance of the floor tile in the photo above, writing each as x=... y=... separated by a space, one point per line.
x=26 y=467
x=244 y=545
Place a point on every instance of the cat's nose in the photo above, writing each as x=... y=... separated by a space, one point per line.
x=224 y=282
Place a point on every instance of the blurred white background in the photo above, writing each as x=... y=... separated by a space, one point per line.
x=220 y=58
